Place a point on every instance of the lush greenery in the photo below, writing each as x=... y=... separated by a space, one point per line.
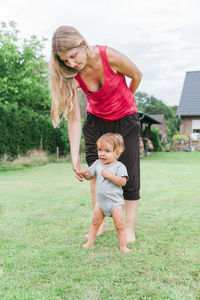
x=24 y=129
x=24 y=97
x=179 y=137
x=156 y=139
x=23 y=70
x=151 y=105
x=46 y=213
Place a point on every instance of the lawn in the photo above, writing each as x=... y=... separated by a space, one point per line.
x=46 y=213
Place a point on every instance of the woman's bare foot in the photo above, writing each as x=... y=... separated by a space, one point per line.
x=125 y=249
x=87 y=245
x=130 y=236
x=102 y=228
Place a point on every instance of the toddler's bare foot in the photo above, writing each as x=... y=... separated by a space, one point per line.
x=130 y=236
x=125 y=249
x=87 y=245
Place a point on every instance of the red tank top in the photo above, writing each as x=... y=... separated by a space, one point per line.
x=113 y=100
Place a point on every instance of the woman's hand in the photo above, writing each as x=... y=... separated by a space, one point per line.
x=86 y=174
x=77 y=167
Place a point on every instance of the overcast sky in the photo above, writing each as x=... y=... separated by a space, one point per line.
x=162 y=37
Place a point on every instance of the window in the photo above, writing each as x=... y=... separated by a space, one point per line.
x=196 y=126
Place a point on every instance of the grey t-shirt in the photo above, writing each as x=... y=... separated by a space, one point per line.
x=108 y=194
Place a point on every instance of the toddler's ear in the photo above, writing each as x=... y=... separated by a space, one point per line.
x=119 y=153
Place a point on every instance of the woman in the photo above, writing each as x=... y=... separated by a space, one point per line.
x=100 y=71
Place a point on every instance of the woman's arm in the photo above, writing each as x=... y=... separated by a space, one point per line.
x=122 y=64
x=74 y=132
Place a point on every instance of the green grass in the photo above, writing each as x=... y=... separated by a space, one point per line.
x=46 y=213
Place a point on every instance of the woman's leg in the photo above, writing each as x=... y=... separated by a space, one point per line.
x=131 y=212
x=102 y=228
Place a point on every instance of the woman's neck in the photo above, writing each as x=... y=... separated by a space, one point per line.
x=92 y=54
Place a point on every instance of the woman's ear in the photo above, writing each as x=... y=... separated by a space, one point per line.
x=83 y=43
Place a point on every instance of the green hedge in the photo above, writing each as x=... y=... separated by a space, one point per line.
x=22 y=130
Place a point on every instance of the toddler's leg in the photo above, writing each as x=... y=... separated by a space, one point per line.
x=98 y=217
x=118 y=219
x=102 y=228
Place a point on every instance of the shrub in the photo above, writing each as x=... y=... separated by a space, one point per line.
x=179 y=137
x=23 y=130
x=156 y=138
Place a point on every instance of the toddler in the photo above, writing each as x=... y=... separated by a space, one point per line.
x=111 y=175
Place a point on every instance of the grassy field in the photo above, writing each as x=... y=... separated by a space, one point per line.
x=46 y=213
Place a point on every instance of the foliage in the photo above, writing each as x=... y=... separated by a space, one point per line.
x=151 y=105
x=179 y=137
x=24 y=97
x=24 y=129
x=156 y=138
x=23 y=71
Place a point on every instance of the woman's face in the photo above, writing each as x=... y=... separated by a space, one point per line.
x=75 y=58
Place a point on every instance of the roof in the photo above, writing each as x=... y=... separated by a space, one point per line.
x=144 y=118
x=190 y=98
x=159 y=118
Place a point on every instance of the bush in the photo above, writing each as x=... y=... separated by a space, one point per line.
x=23 y=130
x=156 y=138
x=179 y=137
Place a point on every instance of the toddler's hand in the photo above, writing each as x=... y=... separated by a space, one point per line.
x=106 y=173
x=85 y=173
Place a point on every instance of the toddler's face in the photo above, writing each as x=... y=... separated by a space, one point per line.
x=106 y=154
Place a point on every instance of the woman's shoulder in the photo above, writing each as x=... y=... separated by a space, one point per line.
x=114 y=57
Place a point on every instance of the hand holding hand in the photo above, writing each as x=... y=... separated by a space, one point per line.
x=76 y=168
x=85 y=173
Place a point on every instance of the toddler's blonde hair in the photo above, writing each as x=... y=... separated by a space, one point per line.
x=114 y=139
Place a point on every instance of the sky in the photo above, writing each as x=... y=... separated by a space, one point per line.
x=162 y=37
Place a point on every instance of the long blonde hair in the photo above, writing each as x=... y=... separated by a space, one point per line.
x=61 y=76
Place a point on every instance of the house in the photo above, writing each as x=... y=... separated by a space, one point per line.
x=162 y=127
x=189 y=106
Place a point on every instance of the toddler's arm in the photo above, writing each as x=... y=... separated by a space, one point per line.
x=86 y=174
x=118 y=180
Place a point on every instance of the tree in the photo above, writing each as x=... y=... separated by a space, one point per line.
x=151 y=105
x=24 y=97
x=23 y=71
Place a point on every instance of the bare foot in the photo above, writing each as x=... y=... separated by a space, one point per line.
x=130 y=236
x=86 y=245
x=125 y=249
